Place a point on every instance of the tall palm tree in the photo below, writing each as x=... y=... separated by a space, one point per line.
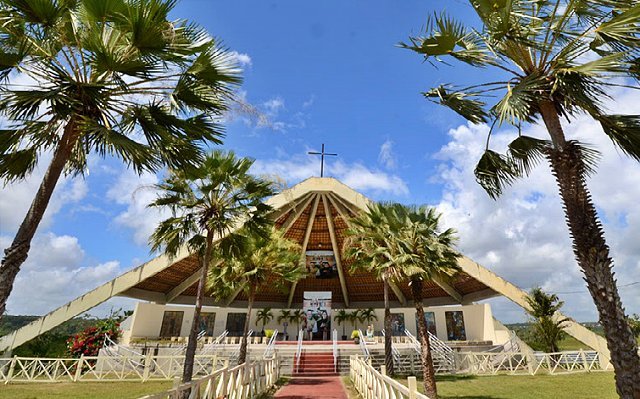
x=296 y=317
x=341 y=318
x=258 y=261
x=285 y=315
x=114 y=78
x=554 y=59
x=368 y=315
x=369 y=244
x=264 y=316
x=208 y=203
x=424 y=253
x=547 y=329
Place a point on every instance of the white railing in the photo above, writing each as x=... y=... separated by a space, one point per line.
x=522 y=363
x=247 y=380
x=442 y=354
x=102 y=368
x=363 y=345
x=268 y=353
x=299 y=351
x=236 y=353
x=335 y=351
x=371 y=384
x=214 y=347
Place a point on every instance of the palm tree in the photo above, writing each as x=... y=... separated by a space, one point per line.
x=547 y=329
x=554 y=59
x=264 y=316
x=285 y=315
x=208 y=203
x=296 y=317
x=341 y=317
x=354 y=318
x=260 y=260
x=114 y=78
x=369 y=244
x=368 y=315
x=424 y=253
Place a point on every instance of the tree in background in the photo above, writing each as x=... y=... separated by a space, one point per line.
x=634 y=322
x=424 y=253
x=285 y=315
x=369 y=244
x=553 y=59
x=208 y=203
x=113 y=78
x=253 y=262
x=368 y=315
x=264 y=316
x=341 y=317
x=548 y=329
x=296 y=317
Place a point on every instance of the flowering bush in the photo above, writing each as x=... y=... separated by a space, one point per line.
x=89 y=341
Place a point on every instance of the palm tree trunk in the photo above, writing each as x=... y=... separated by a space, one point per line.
x=17 y=253
x=428 y=373
x=187 y=373
x=388 y=351
x=592 y=254
x=243 y=343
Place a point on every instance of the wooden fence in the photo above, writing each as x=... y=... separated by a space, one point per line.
x=247 y=380
x=103 y=368
x=372 y=384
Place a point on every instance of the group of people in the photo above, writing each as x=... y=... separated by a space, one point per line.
x=316 y=325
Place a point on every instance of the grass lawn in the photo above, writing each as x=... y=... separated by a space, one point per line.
x=82 y=390
x=569 y=386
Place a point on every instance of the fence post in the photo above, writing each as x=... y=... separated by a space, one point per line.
x=78 y=373
x=413 y=364
x=413 y=387
x=12 y=367
x=584 y=360
x=383 y=370
x=147 y=366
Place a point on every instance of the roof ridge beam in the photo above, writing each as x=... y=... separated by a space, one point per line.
x=336 y=251
x=452 y=292
x=305 y=242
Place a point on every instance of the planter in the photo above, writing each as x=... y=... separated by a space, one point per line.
x=344 y=337
x=356 y=341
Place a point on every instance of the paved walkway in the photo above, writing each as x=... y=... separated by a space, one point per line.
x=313 y=387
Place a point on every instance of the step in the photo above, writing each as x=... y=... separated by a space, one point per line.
x=318 y=374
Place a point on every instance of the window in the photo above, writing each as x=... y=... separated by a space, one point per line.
x=455 y=326
x=171 y=324
x=430 y=317
x=207 y=323
x=235 y=323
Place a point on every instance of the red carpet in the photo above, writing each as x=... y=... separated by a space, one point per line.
x=312 y=387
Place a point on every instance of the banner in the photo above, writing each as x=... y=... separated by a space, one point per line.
x=317 y=315
x=322 y=264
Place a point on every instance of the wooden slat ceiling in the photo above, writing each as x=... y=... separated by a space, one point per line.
x=361 y=286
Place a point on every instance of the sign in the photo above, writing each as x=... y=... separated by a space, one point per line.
x=322 y=264
x=317 y=315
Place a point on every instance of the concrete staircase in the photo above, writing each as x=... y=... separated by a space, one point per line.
x=315 y=364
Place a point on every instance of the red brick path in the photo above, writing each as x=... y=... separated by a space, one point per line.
x=313 y=387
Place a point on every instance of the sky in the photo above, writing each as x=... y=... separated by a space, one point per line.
x=331 y=72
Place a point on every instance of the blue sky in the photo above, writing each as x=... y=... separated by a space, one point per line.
x=330 y=72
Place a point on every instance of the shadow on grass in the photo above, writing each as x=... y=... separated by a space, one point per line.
x=453 y=378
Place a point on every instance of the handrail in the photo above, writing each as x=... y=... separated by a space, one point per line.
x=236 y=353
x=268 y=352
x=370 y=383
x=299 y=351
x=363 y=345
x=335 y=351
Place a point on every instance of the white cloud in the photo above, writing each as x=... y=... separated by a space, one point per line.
x=386 y=156
x=523 y=236
x=309 y=102
x=274 y=105
x=136 y=192
x=242 y=59
x=16 y=197
x=55 y=272
x=355 y=175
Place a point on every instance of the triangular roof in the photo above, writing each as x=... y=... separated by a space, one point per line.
x=314 y=213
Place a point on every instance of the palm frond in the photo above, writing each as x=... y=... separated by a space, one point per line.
x=465 y=104
x=526 y=152
x=624 y=131
x=495 y=171
x=520 y=103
